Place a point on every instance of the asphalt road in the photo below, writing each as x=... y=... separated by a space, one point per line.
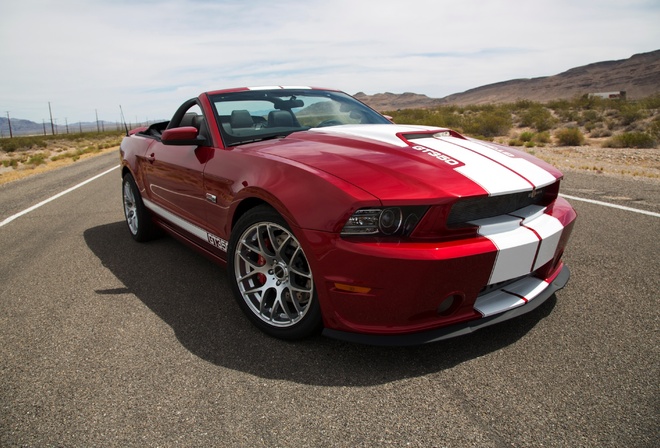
x=106 y=342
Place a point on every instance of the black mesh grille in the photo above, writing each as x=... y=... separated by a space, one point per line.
x=486 y=207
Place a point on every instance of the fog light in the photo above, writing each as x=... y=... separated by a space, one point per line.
x=448 y=305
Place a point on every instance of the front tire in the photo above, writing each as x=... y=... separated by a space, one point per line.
x=137 y=216
x=270 y=276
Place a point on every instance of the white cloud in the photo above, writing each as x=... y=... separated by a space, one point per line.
x=150 y=56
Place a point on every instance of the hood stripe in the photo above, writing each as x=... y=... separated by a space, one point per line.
x=534 y=174
x=495 y=171
x=493 y=177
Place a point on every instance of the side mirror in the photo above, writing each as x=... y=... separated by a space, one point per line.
x=183 y=136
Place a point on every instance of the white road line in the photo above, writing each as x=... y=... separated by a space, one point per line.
x=607 y=204
x=44 y=202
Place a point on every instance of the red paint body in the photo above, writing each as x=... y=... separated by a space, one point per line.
x=316 y=179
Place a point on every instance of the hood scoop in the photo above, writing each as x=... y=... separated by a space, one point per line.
x=437 y=133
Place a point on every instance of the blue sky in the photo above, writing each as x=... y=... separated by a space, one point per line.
x=149 y=56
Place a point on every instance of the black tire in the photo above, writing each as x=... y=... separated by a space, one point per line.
x=137 y=216
x=270 y=276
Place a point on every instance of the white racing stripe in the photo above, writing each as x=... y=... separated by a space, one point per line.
x=187 y=226
x=549 y=229
x=516 y=251
x=523 y=167
x=510 y=296
x=175 y=219
x=524 y=242
x=385 y=133
x=489 y=175
x=496 y=171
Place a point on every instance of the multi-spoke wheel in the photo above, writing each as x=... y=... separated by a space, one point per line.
x=271 y=277
x=137 y=217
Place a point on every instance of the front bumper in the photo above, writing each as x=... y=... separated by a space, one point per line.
x=440 y=289
x=461 y=329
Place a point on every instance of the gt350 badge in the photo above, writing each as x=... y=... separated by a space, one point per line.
x=438 y=155
x=217 y=242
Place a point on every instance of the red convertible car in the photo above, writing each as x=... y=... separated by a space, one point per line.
x=331 y=217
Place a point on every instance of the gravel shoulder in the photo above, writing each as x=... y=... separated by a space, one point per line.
x=637 y=163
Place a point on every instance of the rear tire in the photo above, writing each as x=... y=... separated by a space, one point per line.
x=270 y=276
x=137 y=216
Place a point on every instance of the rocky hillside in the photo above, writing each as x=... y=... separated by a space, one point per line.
x=638 y=76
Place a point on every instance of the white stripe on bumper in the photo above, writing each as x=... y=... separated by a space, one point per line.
x=510 y=296
x=524 y=242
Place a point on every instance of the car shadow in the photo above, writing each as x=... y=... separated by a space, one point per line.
x=192 y=295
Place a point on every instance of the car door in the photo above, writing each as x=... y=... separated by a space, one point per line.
x=174 y=179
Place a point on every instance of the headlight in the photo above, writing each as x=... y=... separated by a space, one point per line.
x=399 y=221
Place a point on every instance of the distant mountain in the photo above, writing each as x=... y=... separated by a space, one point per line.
x=638 y=76
x=26 y=127
x=20 y=127
x=393 y=101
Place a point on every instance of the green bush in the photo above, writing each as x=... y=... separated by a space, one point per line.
x=569 y=137
x=488 y=123
x=444 y=117
x=630 y=113
x=10 y=163
x=36 y=159
x=654 y=128
x=600 y=132
x=596 y=116
x=526 y=136
x=9 y=145
x=652 y=102
x=631 y=140
x=542 y=137
x=590 y=119
x=537 y=117
x=42 y=141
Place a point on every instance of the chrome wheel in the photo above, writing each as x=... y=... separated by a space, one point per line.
x=272 y=274
x=130 y=208
x=138 y=219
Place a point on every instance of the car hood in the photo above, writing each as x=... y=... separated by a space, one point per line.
x=414 y=163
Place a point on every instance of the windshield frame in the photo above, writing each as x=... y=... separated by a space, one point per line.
x=254 y=115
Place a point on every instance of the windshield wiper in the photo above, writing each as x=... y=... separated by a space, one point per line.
x=261 y=139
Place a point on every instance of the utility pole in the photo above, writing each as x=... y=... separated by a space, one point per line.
x=52 y=126
x=44 y=122
x=66 y=121
x=9 y=123
x=98 y=129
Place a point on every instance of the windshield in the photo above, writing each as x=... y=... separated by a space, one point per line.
x=255 y=115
